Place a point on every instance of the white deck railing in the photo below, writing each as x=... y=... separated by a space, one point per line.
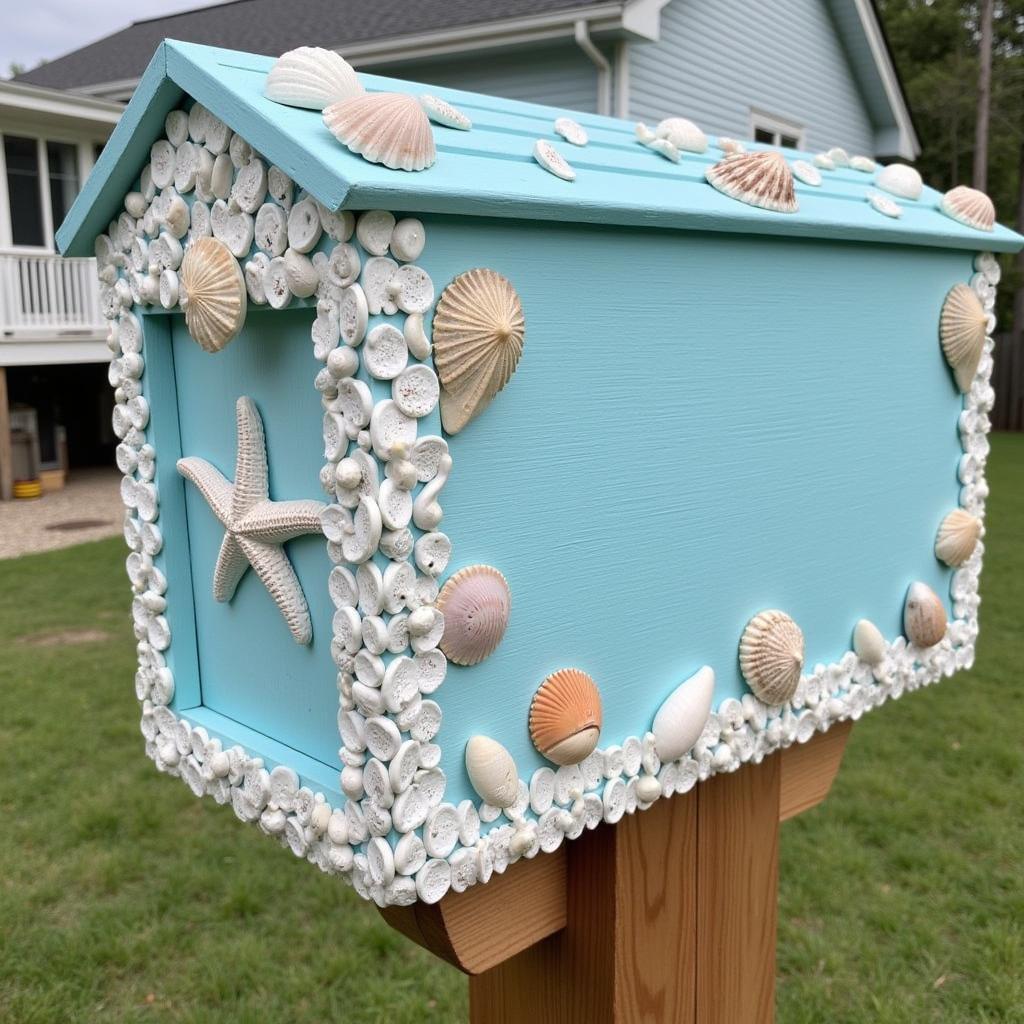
x=48 y=295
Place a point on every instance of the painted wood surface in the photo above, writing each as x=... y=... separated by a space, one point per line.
x=807 y=770
x=717 y=59
x=486 y=172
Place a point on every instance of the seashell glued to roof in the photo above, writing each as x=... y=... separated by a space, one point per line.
x=443 y=113
x=761 y=179
x=311 y=77
x=683 y=134
x=969 y=206
x=900 y=180
x=388 y=128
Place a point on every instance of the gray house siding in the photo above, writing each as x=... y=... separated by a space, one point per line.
x=557 y=75
x=717 y=59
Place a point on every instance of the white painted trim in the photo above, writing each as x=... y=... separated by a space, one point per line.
x=50 y=351
x=600 y=61
x=5 y=203
x=622 y=79
x=54 y=102
x=778 y=125
x=44 y=190
x=643 y=18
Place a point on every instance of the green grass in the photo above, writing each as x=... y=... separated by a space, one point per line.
x=123 y=898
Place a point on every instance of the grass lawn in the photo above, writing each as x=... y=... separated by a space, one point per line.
x=123 y=898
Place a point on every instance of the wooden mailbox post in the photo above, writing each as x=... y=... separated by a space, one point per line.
x=667 y=918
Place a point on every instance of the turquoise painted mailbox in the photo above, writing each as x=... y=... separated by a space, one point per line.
x=492 y=474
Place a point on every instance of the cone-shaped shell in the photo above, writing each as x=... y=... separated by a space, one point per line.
x=868 y=643
x=475 y=603
x=213 y=293
x=970 y=207
x=962 y=327
x=478 y=339
x=759 y=179
x=492 y=771
x=386 y=128
x=311 y=77
x=681 y=718
x=957 y=537
x=565 y=716
x=772 y=656
x=924 y=616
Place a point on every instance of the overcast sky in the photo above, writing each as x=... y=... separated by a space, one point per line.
x=38 y=29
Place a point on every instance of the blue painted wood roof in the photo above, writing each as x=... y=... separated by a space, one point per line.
x=488 y=171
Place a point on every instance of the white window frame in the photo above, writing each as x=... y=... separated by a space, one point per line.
x=778 y=126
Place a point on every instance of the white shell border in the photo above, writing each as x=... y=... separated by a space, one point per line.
x=387 y=721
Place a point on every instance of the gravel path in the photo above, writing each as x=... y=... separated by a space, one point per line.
x=90 y=505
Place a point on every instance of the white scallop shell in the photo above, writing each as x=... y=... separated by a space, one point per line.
x=900 y=180
x=957 y=537
x=212 y=294
x=683 y=134
x=384 y=128
x=807 y=173
x=682 y=716
x=772 y=656
x=373 y=229
x=408 y=239
x=924 y=616
x=442 y=112
x=311 y=77
x=551 y=160
x=969 y=206
x=962 y=326
x=868 y=643
x=884 y=205
x=761 y=179
x=492 y=771
x=572 y=131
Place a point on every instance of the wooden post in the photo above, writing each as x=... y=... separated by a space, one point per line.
x=6 y=456
x=669 y=917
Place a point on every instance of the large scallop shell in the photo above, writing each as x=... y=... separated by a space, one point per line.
x=970 y=207
x=213 y=293
x=759 y=179
x=900 y=180
x=492 y=771
x=924 y=616
x=475 y=603
x=772 y=656
x=312 y=77
x=962 y=327
x=478 y=339
x=682 y=716
x=388 y=128
x=957 y=537
x=565 y=716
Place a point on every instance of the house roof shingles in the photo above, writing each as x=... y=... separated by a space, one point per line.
x=270 y=27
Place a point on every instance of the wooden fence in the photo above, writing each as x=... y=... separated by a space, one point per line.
x=1008 y=381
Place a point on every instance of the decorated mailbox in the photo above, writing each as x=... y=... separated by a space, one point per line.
x=491 y=474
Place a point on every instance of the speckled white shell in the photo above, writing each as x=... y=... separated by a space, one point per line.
x=408 y=239
x=476 y=603
x=681 y=718
x=807 y=173
x=492 y=771
x=962 y=327
x=683 y=134
x=565 y=716
x=388 y=128
x=212 y=294
x=772 y=656
x=311 y=77
x=551 y=160
x=924 y=616
x=957 y=537
x=442 y=112
x=884 y=205
x=970 y=207
x=868 y=642
x=760 y=179
x=570 y=130
x=900 y=180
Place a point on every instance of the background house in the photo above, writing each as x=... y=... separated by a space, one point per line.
x=809 y=74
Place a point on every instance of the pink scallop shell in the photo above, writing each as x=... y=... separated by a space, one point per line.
x=475 y=603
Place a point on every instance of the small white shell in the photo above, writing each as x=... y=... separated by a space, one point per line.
x=442 y=112
x=727 y=145
x=416 y=390
x=385 y=354
x=681 y=718
x=839 y=156
x=863 y=163
x=271 y=232
x=388 y=425
x=250 y=187
x=375 y=278
x=411 y=289
x=408 y=239
x=352 y=315
x=924 y=616
x=884 y=205
x=683 y=134
x=416 y=336
x=824 y=161
x=551 y=160
x=571 y=131
x=280 y=187
x=300 y=273
x=957 y=537
x=432 y=552
x=161 y=163
x=304 y=228
x=311 y=77
x=275 y=283
x=807 y=173
x=900 y=180
x=492 y=771
x=176 y=127
x=868 y=643
x=343 y=265
x=374 y=229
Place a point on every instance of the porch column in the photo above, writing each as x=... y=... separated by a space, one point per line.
x=6 y=478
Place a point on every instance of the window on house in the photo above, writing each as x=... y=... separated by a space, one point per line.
x=775 y=131
x=22 y=158
x=62 y=160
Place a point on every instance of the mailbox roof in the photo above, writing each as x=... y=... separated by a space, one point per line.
x=488 y=171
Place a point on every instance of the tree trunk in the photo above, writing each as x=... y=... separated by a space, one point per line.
x=984 y=96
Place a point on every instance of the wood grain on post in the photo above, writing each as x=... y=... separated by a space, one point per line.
x=6 y=455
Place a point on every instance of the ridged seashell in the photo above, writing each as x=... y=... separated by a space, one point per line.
x=924 y=616
x=565 y=716
x=572 y=131
x=683 y=134
x=213 y=293
x=475 y=603
x=760 y=179
x=478 y=338
x=311 y=77
x=970 y=207
x=868 y=642
x=962 y=327
x=900 y=180
x=772 y=656
x=957 y=537
x=683 y=714
x=388 y=128
x=492 y=771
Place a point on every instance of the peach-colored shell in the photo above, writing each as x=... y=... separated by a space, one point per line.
x=386 y=128
x=962 y=327
x=213 y=293
x=565 y=716
x=475 y=603
x=970 y=207
x=759 y=179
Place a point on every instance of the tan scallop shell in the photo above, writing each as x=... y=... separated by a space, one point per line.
x=388 y=128
x=970 y=207
x=475 y=603
x=478 y=338
x=962 y=326
x=311 y=77
x=213 y=294
x=772 y=656
x=924 y=616
x=565 y=716
x=957 y=537
x=759 y=179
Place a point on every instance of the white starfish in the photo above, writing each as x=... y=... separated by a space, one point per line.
x=256 y=526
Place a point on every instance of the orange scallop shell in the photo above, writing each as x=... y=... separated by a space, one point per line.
x=565 y=716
